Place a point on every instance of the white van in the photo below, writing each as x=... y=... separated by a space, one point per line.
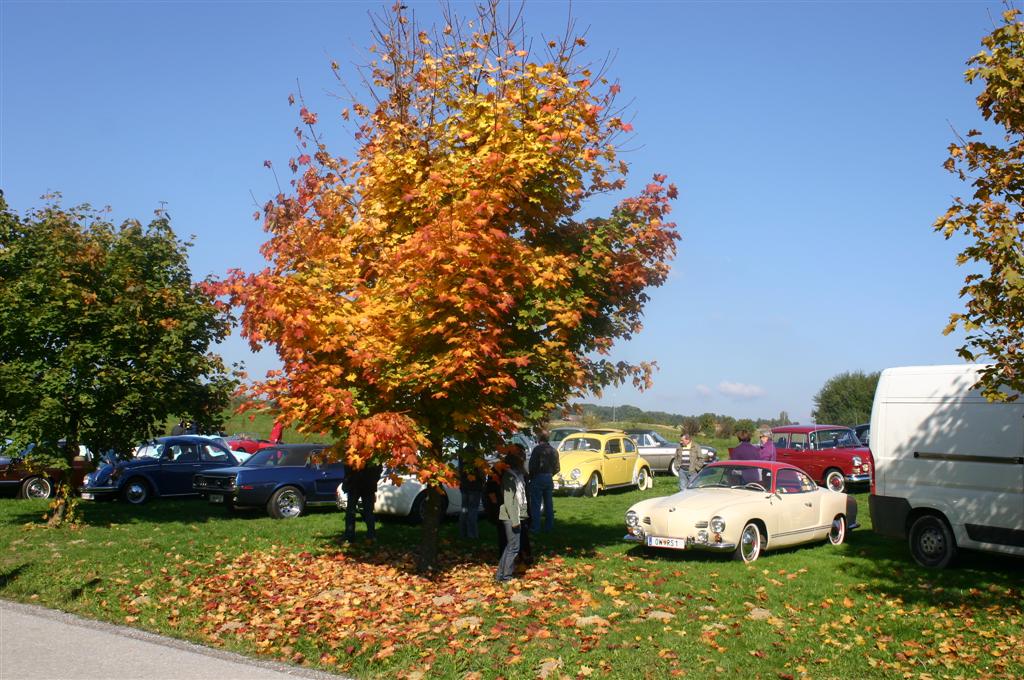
x=949 y=464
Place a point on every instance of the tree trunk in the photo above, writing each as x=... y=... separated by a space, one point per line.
x=427 y=560
x=63 y=506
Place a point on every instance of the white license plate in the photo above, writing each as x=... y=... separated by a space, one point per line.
x=86 y=496
x=660 y=542
x=216 y=498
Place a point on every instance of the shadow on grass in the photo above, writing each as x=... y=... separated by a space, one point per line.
x=11 y=574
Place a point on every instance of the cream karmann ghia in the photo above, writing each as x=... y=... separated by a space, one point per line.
x=743 y=507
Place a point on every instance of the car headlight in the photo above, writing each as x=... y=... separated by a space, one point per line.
x=717 y=524
x=702 y=536
x=575 y=474
x=632 y=519
x=856 y=461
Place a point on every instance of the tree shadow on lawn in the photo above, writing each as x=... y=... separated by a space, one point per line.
x=976 y=579
x=157 y=511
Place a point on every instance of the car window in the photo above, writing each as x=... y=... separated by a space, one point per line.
x=295 y=457
x=213 y=454
x=581 y=443
x=182 y=453
x=781 y=440
x=732 y=476
x=630 y=447
x=839 y=438
x=268 y=457
x=659 y=440
x=793 y=481
x=149 y=451
x=614 y=446
x=798 y=441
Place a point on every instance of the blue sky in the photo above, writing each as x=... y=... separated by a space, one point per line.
x=806 y=138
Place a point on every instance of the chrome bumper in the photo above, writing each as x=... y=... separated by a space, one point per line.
x=690 y=544
x=858 y=479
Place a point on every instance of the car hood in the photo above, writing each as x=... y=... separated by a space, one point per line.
x=226 y=471
x=698 y=501
x=567 y=460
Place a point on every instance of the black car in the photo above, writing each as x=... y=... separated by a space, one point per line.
x=280 y=478
x=162 y=467
x=863 y=433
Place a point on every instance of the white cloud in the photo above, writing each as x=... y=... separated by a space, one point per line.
x=704 y=390
x=740 y=391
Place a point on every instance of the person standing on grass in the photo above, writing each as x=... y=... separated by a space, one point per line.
x=275 y=432
x=744 y=450
x=694 y=457
x=471 y=484
x=360 y=488
x=544 y=465
x=512 y=512
x=767 y=447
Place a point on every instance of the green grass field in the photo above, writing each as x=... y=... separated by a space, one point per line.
x=592 y=606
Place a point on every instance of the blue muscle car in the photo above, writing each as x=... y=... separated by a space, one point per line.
x=280 y=478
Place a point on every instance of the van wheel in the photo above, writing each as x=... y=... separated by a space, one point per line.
x=834 y=481
x=932 y=542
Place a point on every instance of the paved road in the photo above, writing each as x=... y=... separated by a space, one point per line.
x=43 y=644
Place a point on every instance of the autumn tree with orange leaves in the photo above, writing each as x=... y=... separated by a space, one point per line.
x=440 y=285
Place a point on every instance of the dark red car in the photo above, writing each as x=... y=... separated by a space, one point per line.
x=831 y=454
x=28 y=481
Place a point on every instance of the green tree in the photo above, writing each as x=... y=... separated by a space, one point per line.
x=103 y=335
x=725 y=426
x=745 y=424
x=707 y=423
x=690 y=425
x=993 y=218
x=846 y=399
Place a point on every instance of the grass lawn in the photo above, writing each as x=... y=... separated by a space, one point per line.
x=592 y=606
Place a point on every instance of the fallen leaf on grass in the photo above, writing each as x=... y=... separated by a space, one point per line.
x=547 y=667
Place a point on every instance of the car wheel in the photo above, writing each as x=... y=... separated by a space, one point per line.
x=837 y=533
x=834 y=480
x=932 y=542
x=673 y=469
x=593 y=486
x=644 y=480
x=419 y=508
x=36 y=487
x=286 y=503
x=749 y=548
x=136 y=491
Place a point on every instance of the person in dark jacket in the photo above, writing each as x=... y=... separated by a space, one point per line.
x=544 y=465
x=360 y=487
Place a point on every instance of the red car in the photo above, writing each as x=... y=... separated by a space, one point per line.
x=247 y=443
x=831 y=454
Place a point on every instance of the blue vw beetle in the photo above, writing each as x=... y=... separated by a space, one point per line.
x=162 y=467
x=282 y=478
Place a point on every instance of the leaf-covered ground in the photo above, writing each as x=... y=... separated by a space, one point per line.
x=591 y=606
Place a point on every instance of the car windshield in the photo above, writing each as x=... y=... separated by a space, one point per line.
x=277 y=458
x=839 y=438
x=149 y=450
x=581 y=444
x=661 y=440
x=733 y=477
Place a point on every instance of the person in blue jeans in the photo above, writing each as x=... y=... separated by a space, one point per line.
x=544 y=465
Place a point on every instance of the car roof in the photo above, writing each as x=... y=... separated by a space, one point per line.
x=638 y=431
x=808 y=428
x=769 y=464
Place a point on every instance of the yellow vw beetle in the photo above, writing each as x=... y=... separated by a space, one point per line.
x=600 y=459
